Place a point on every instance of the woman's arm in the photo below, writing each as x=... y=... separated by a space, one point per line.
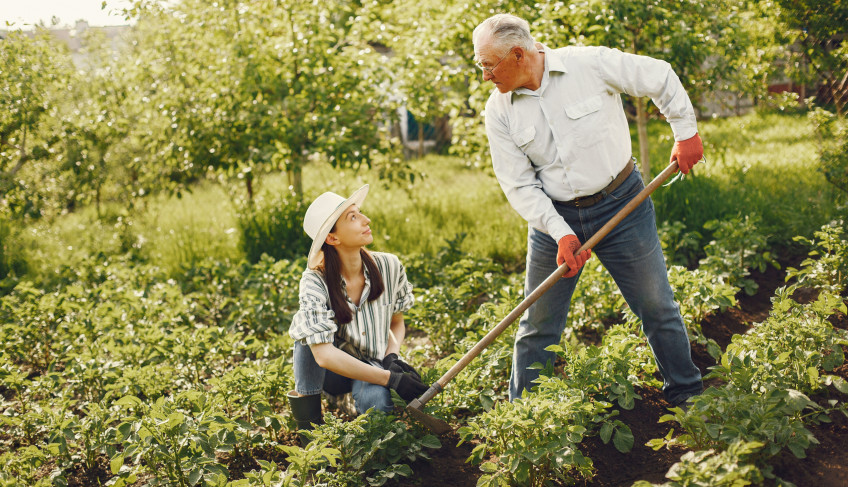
x=331 y=358
x=397 y=332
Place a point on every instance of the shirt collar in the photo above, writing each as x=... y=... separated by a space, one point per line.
x=552 y=63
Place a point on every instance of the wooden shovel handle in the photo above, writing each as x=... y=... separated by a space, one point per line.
x=550 y=280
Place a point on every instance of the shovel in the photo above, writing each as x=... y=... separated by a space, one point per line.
x=440 y=426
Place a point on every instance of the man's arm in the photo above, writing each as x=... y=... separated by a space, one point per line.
x=518 y=180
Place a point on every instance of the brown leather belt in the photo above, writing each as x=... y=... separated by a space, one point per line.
x=584 y=201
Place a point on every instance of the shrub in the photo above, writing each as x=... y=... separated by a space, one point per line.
x=273 y=225
x=12 y=261
x=827 y=264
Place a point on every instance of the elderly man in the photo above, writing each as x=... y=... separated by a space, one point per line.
x=561 y=152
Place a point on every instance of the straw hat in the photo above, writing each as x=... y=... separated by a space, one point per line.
x=320 y=217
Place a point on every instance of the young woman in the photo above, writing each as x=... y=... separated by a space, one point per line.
x=349 y=327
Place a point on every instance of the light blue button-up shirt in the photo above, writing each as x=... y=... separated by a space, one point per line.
x=570 y=137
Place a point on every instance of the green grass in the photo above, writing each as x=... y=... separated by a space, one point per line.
x=758 y=164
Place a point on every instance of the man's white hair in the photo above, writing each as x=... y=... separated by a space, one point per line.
x=505 y=31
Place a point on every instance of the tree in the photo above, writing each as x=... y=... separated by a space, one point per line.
x=35 y=73
x=238 y=87
x=819 y=29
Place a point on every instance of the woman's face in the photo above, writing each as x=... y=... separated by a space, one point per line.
x=352 y=229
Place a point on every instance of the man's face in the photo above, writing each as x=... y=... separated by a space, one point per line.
x=498 y=66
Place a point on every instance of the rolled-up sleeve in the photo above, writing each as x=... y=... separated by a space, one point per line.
x=403 y=299
x=313 y=323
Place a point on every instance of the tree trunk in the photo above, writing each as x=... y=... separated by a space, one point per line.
x=248 y=181
x=296 y=180
x=642 y=130
x=420 y=139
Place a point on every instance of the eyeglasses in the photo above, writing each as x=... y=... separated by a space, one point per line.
x=492 y=68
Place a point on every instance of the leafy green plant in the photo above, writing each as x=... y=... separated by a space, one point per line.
x=612 y=371
x=680 y=247
x=738 y=247
x=376 y=447
x=272 y=225
x=596 y=301
x=721 y=416
x=175 y=444
x=699 y=292
x=715 y=468
x=534 y=439
x=21 y=467
x=788 y=350
x=827 y=264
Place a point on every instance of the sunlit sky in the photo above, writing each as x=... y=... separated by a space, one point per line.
x=25 y=13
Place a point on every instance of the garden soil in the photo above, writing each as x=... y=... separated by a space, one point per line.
x=826 y=465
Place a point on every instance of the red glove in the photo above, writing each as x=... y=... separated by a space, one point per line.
x=687 y=153
x=567 y=247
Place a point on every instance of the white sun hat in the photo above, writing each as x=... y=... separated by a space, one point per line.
x=322 y=215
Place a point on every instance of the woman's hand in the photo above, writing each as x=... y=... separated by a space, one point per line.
x=391 y=362
x=407 y=386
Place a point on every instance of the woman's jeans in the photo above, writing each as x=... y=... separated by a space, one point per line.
x=310 y=378
x=632 y=254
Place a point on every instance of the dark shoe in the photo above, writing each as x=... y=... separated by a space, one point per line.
x=306 y=411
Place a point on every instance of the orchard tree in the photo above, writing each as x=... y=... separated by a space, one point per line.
x=820 y=31
x=240 y=87
x=35 y=75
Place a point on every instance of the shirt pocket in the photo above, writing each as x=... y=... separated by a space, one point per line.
x=587 y=121
x=525 y=139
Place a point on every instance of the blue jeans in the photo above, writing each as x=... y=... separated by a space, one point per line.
x=310 y=378
x=632 y=254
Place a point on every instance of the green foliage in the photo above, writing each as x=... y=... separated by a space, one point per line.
x=699 y=292
x=596 y=301
x=13 y=263
x=711 y=468
x=536 y=438
x=273 y=225
x=722 y=416
x=680 y=247
x=34 y=73
x=827 y=264
x=176 y=439
x=817 y=28
x=788 y=350
x=374 y=447
x=832 y=136
x=739 y=247
x=612 y=371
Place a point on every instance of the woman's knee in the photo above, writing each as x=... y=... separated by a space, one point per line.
x=373 y=396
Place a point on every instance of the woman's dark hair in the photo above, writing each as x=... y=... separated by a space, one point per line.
x=333 y=277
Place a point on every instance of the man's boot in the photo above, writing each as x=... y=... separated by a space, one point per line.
x=306 y=411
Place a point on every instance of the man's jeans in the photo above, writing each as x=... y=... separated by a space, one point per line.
x=632 y=254
x=310 y=378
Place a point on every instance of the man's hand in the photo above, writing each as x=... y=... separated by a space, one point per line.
x=567 y=246
x=391 y=362
x=687 y=153
x=406 y=385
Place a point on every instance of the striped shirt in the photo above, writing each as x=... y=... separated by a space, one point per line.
x=367 y=335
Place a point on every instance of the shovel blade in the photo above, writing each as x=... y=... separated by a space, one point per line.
x=436 y=425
